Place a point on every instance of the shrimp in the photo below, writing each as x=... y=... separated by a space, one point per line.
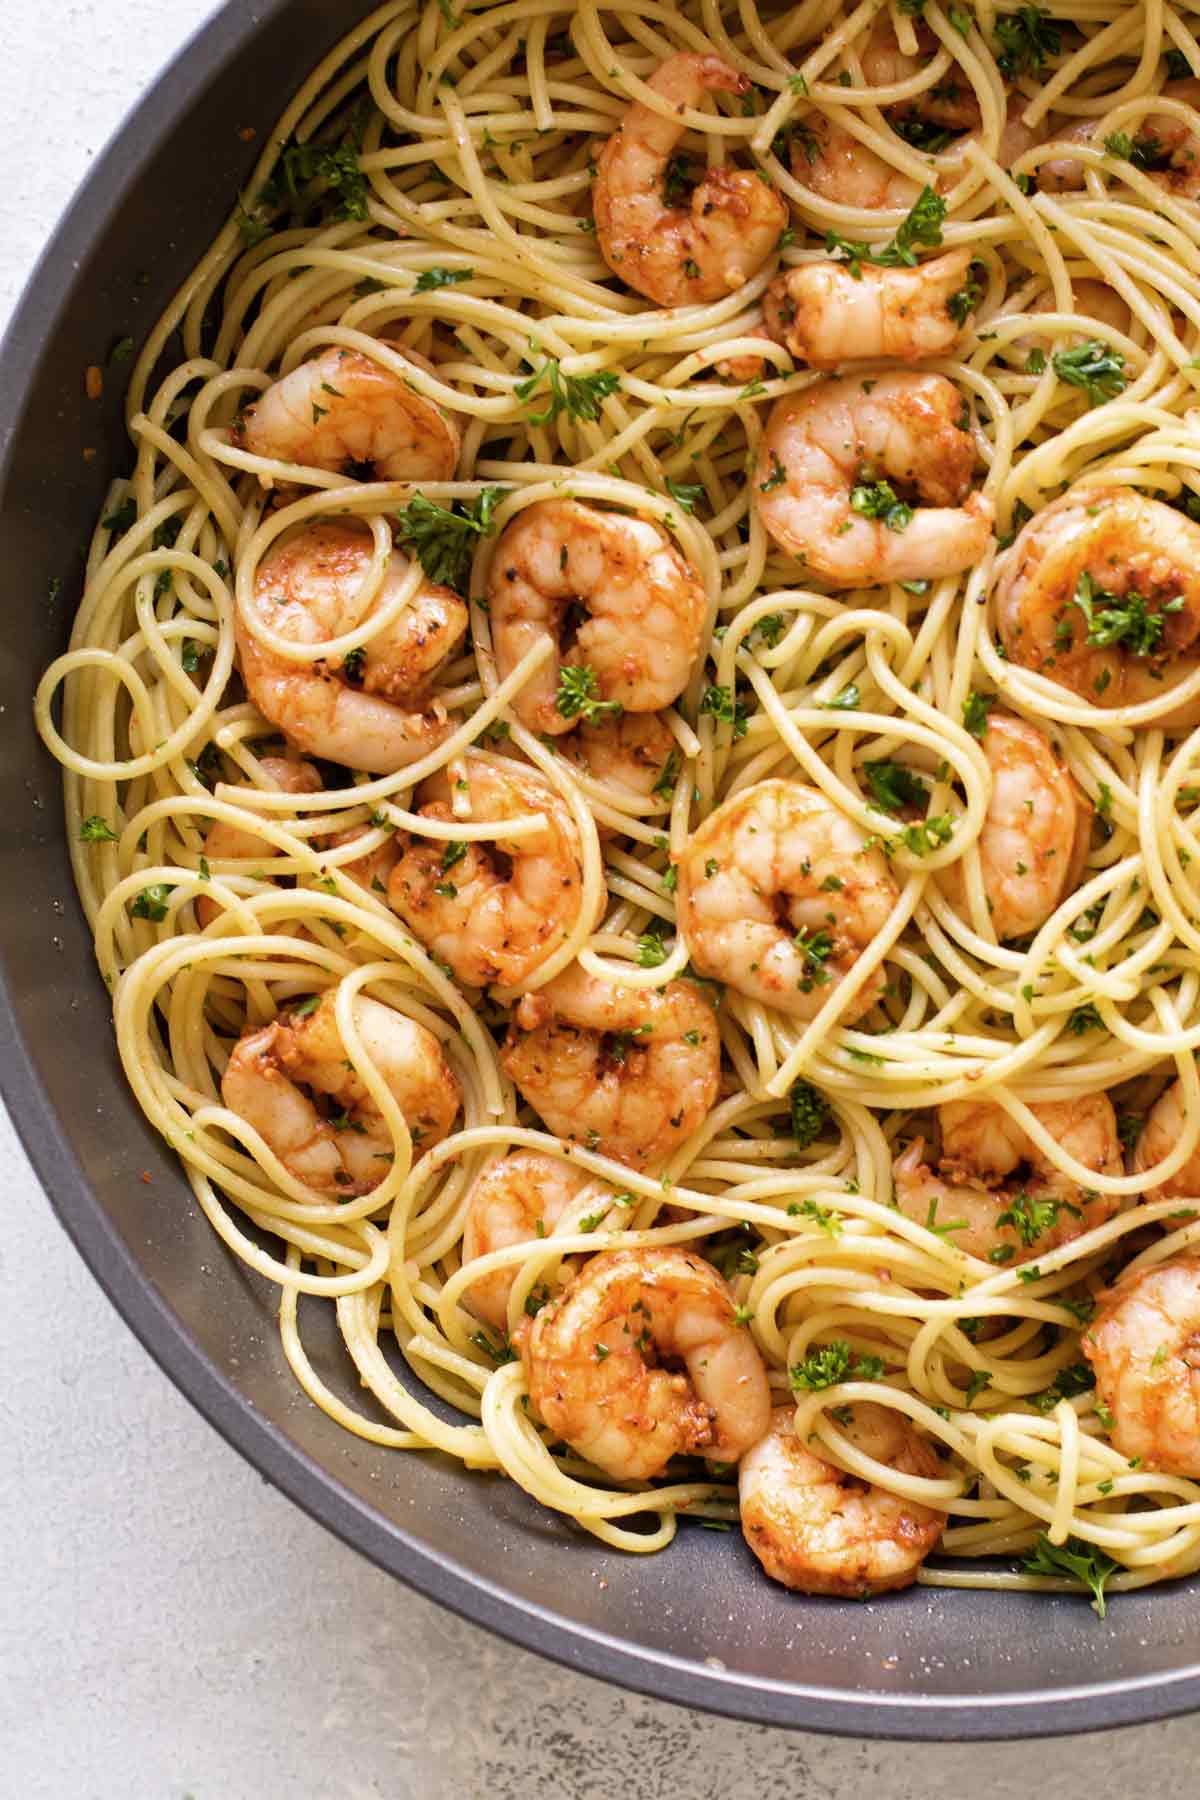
x=1162 y=1131
x=680 y=255
x=645 y=605
x=845 y=447
x=234 y=843
x=1144 y=1346
x=629 y=1072
x=833 y=164
x=951 y=102
x=817 y=1528
x=343 y=409
x=630 y=754
x=1101 y=593
x=825 y=316
x=1004 y=1198
x=640 y=1358
x=381 y=716
x=1168 y=148
x=494 y=910
x=779 y=895
x=508 y=1204
x=1035 y=836
x=349 y=1152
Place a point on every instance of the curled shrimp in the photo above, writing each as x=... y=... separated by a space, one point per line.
x=1101 y=593
x=817 y=1528
x=332 y=1136
x=1163 y=1129
x=227 y=842
x=645 y=607
x=630 y=754
x=951 y=102
x=843 y=447
x=779 y=895
x=517 y=1200
x=627 y=1071
x=1144 y=1348
x=1168 y=148
x=492 y=910
x=825 y=316
x=680 y=255
x=999 y=1195
x=342 y=410
x=1036 y=831
x=640 y=1358
x=378 y=714
x=836 y=166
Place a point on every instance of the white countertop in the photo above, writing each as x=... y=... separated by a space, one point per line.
x=169 y=1626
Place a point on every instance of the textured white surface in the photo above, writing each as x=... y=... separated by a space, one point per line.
x=171 y=1627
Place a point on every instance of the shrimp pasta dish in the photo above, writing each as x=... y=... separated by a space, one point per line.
x=632 y=752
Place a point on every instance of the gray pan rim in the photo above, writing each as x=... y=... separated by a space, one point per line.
x=1089 y=1706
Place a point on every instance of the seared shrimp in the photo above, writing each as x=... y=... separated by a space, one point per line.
x=225 y=842
x=1101 y=593
x=825 y=316
x=680 y=255
x=641 y=1358
x=814 y=1527
x=852 y=453
x=645 y=608
x=779 y=895
x=1001 y=1193
x=1162 y=1131
x=342 y=410
x=1144 y=1346
x=1034 y=840
x=380 y=717
x=951 y=102
x=627 y=1071
x=333 y=1137
x=631 y=754
x=837 y=167
x=492 y=910
x=1168 y=148
x=517 y=1200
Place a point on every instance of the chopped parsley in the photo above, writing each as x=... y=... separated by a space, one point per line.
x=834 y=1362
x=1095 y=367
x=151 y=903
x=893 y=787
x=809 y=1111
x=578 y=695
x=1024 y=40
x=651 y=950
x=922 y=227
x=437 y=277
x=685 y=494
x=1077 y=1378
x=722 y=704
x=1029 y=1217
x=96 y=830
x=976 y=708
x=579 y=396
x=1121 y=619
x=443 y=539
x=1078 y=1561
x=879 y=500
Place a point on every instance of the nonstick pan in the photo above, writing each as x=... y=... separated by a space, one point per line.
x=696 y=1624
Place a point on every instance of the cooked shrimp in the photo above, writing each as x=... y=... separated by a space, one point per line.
x=779 y=895
x=1162 y=1131
x=1099 y=303
x=1001 y=1192
x=1144 y=1346
x=951 y=101
x=492 y=910
x=850 y=451
x=627 y=1071
x=508 y=1204
x=814 y=1527
x=1168 y=148
x=382 y=717
x=680 y=255
x=645 y=608
x=1034 y=840
x=349 y=1152
x=825 y=316
x=232 y=842
x=1101 y=593
x=630 y=754
x=641 y=1358
x=342 y=409
x=834 y=164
